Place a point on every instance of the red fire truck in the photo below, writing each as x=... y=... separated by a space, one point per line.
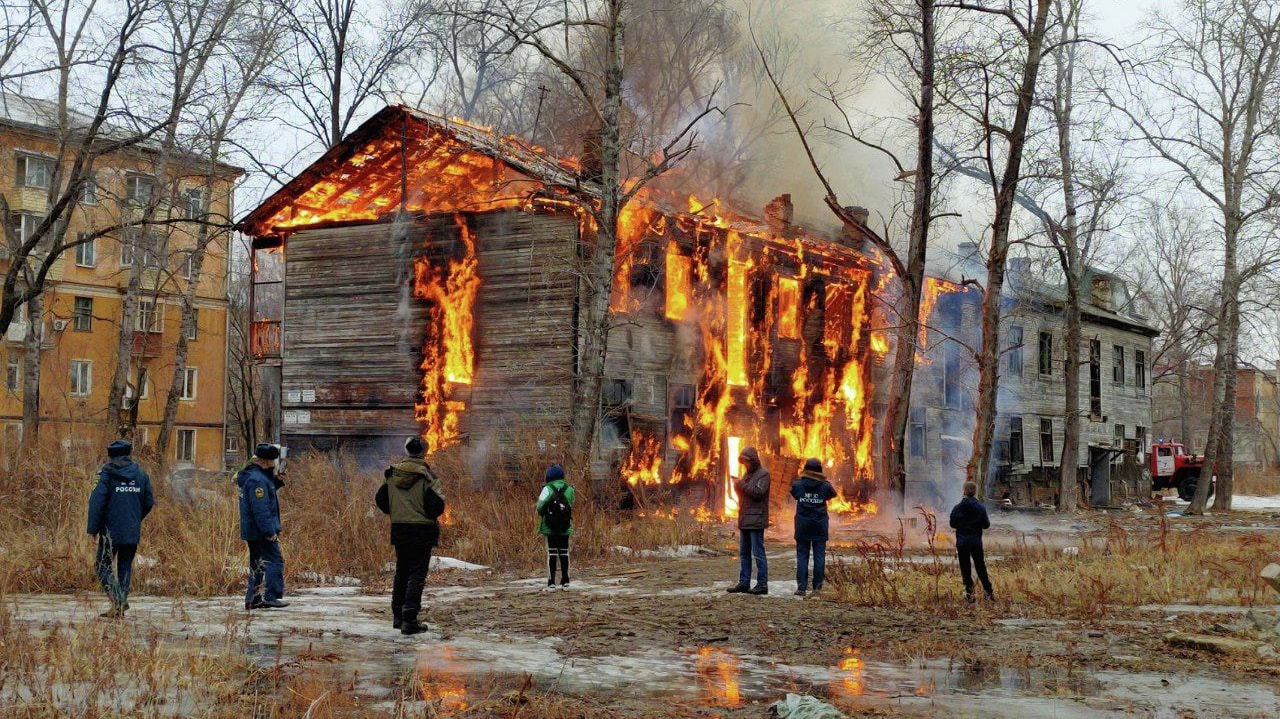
x=1173 y=466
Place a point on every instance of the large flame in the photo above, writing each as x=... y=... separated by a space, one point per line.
x=448 y=356
x=643 y=464
x=718 y=672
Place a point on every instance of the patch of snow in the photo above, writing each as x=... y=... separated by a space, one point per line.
x=438 y=563
x=333 y=581
x=1255 y=503
x=682 y=551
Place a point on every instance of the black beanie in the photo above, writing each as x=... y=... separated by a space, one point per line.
x=415 y=447
x=813 y=465
x=120 y=448
x=266 y=451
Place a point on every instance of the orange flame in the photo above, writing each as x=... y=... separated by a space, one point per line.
x=448 y=357
x=643 y=464
x=852 y=684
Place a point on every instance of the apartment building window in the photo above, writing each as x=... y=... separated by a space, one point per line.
x=1046 y=353
x=1140 y=369
x=13 y=373
x=34 y=171
x=147 y=318
x=190 y=375
x=81 y=378
x=82 y=317
x=1015 y=351
x=917 y=435
x=1046 y=440
x=194 y=203
x=193 y=332
x=186 y=449
x=1016 y=454
x=23 y=225
x=86 y=251
x=138 y=189
x=1117 y=364
x=233 y=443
x=89 y=192
x=142 y=248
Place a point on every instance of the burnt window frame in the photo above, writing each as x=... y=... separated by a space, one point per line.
x=917 y=435
x=1017 y=447
x=1014 y=363
x=1046 y=441
x=1140 y=369
x=1044 y=359
x=1117 y=365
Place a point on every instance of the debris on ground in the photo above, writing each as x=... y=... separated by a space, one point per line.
x=797 y=706
x=1211 y=643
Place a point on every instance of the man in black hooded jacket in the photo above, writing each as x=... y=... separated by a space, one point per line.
x=411 y=495
x=119 y=502
x=969 y=518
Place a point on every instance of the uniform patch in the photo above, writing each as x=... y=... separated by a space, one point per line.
x=259 y=493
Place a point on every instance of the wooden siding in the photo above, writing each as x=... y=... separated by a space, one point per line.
x=354 y=332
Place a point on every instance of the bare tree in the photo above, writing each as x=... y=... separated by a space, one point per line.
x=995 y=96
x=1203 y=99
x=342 y=55
x=621 y=160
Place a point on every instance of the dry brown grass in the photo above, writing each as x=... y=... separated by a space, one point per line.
x=191 y=543
x=1116 y=569
x=1259 y=481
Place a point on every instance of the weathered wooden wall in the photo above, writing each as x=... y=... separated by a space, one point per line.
x=354 y=331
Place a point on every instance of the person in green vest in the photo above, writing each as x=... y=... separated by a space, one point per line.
x=411 y=495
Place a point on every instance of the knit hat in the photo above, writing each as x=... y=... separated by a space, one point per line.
x=120 y=448
x=415 y=447
x=266 y=451
x=555 y=472
x=813 y=466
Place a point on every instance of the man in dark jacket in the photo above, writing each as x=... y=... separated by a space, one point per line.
x=260 y=528
x=969 y=518
x=753 y=517
x=119 y=502
x=411 y=495
x=811 y=491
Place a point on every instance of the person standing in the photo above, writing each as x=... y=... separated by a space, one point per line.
x=117 y=506
x=753 y=518
x=555 y=512
x=811 y=491
x=260 y=528
x=411 y=495
x=969 y=518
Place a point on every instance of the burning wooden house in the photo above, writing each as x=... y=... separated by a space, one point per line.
x=422 y=277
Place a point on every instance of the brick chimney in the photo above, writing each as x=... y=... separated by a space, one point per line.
x=778 y=215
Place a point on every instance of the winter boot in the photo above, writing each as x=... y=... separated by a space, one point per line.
x=115 y=612
x=759 y=589
x=397 y=619
x=739 y=589
x=409 y=625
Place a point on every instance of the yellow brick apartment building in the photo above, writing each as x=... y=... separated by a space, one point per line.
x=83 y=304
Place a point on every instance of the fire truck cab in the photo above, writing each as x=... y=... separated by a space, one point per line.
x=1172 y=466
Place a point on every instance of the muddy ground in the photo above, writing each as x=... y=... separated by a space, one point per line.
x=659 y=637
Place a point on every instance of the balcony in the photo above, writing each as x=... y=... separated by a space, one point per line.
x=266 y=339
x=147 y=344
x=29 y=200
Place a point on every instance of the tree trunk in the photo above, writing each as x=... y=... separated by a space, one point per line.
x=1225 y=468
x=909 y=318
x=124 y=349
x=183 y=345
x=989 y=356
x=31 y=372
x=1068 y=477
x=1216 y=454
x=599 y=254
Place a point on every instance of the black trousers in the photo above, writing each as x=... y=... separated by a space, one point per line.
x=972 y=554
x=115 y=579
x=413 y=558
x=557 y=548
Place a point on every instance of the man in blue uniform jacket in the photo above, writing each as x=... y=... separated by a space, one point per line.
x=260 y=528
x=969 y=518
x=119 y=502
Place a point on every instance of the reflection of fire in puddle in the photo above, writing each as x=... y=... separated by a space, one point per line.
x=718 y=676
x=852 y=669
x=448 y=691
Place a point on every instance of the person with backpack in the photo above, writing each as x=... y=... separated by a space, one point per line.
x=555 y=510
x=260 y=528
x=117 y=506
x=753 y=518
x=411 y=495
x=811 y=491
x=969 y=518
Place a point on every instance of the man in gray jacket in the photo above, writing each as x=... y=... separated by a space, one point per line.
x=753 y=517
